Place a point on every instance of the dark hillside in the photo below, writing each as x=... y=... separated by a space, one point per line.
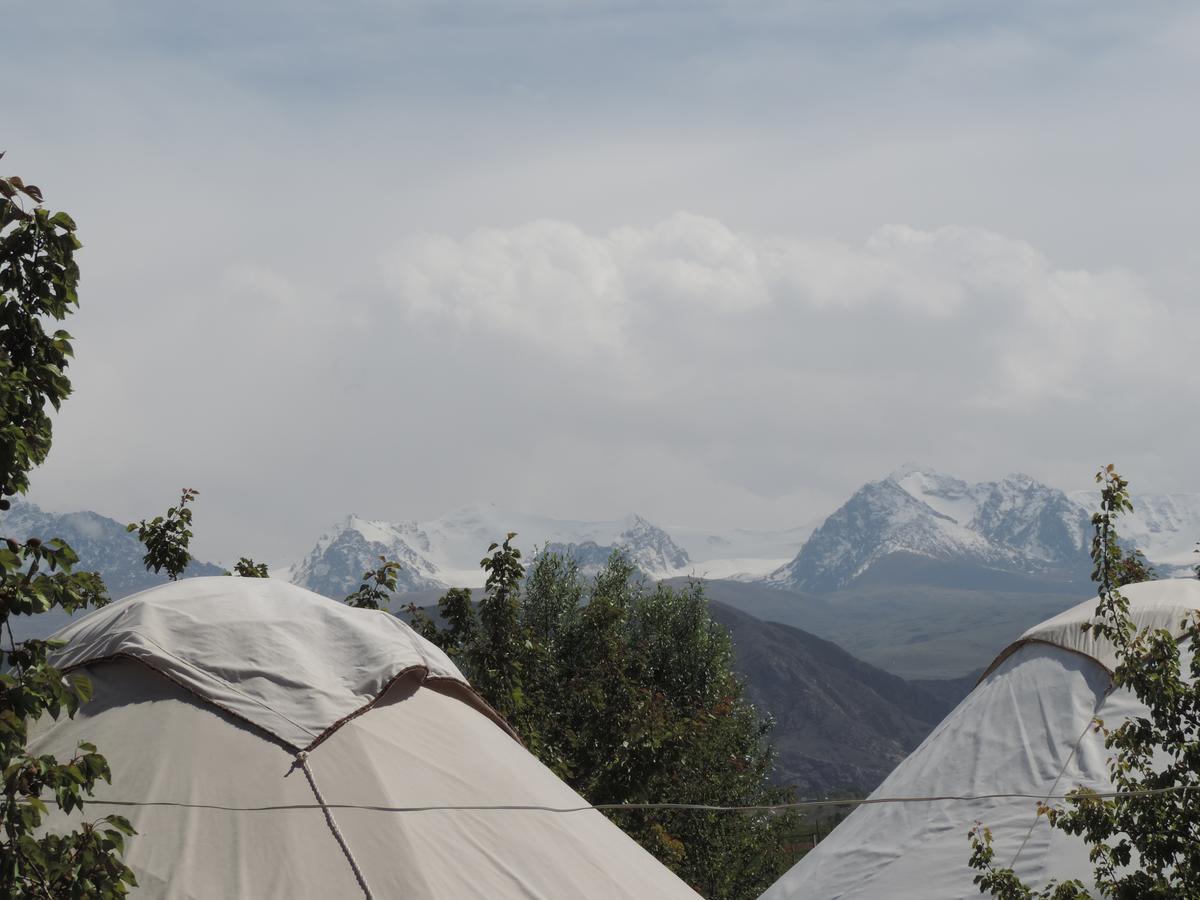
x=841 y=724
x=908 y=628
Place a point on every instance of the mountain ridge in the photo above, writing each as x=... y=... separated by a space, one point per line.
x=1015 y=524
x=445 y=552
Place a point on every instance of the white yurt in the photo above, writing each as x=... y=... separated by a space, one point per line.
x=268 y=742
x=1025 y=729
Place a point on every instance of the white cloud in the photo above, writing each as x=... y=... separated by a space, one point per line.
x=1033 y=329
x=693 y=262
x=544 y=281
x=290 y=300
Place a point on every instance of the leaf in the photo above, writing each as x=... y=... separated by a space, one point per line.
x=83 y=689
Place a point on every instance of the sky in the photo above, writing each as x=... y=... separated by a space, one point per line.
x=717 y=263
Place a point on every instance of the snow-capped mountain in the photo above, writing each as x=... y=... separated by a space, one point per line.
x=334 y=567
x=103 y=545
x=741 y=554
x=1015 y=524
x=647 y=546
x=445 y=552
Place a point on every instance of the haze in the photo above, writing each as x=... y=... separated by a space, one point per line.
x=715 y=263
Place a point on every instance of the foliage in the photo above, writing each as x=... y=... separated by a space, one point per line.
x=248 y=568
x=626 y=691
x=166 y=538
x=377 y=586
x=38 y=283
x=1131 y=568
x=1142 y=845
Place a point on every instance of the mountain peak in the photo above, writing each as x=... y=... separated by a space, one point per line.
x=1016 y=524
x=1020 y=479
x=445 y=551
x=911 y=468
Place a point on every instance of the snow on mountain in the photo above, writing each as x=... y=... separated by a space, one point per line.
x=740 y=553
x=446 y=551
x=1165 y=527
x=1015 y=524
x=647 y=546
x=1022 y=520
x=103 y=545
x=651 y=549
x=334 y=567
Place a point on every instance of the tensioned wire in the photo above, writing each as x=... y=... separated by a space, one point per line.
x=698 y=807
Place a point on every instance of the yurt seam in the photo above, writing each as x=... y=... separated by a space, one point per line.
x=1177 y=632
x=428 y=679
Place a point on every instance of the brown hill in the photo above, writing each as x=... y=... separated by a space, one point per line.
x=841 y=724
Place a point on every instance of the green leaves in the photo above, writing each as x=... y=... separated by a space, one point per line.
x=166 y=538
x=377 y=586
x=248 y=568
x=38 y=282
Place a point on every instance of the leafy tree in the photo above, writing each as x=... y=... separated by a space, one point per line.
x=1145 y=842
x=38 y=286
x=166 y=538
x=626 y=691
x=377 y=586
x=1131 y=568
x=248 y=568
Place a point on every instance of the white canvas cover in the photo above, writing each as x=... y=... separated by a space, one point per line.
x=1026 y=729
x=206 y=691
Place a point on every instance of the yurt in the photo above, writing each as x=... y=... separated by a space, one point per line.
x=1025 y=729
x=267 y=742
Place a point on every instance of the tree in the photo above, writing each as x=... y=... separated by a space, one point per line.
x=1131 y=568
x=248 y=568
x=626 y=691
x=1145 y=842
x=377 y=586
x=166 y=538
x=38 y=286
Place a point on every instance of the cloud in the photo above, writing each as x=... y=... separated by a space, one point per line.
x=545 y=281
x=399 y=257
x=685 y=368
x=1033 y=329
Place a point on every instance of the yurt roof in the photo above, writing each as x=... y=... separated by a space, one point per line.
x=285 y=659
x=268 y=742
x=1152 y=604
x=1024 y=735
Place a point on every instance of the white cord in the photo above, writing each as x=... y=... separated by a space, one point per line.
x=302 y=762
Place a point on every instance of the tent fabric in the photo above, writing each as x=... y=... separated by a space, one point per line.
x=1155 y=605
x=223 y=807
x=1025 y=729
x=292 y=662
